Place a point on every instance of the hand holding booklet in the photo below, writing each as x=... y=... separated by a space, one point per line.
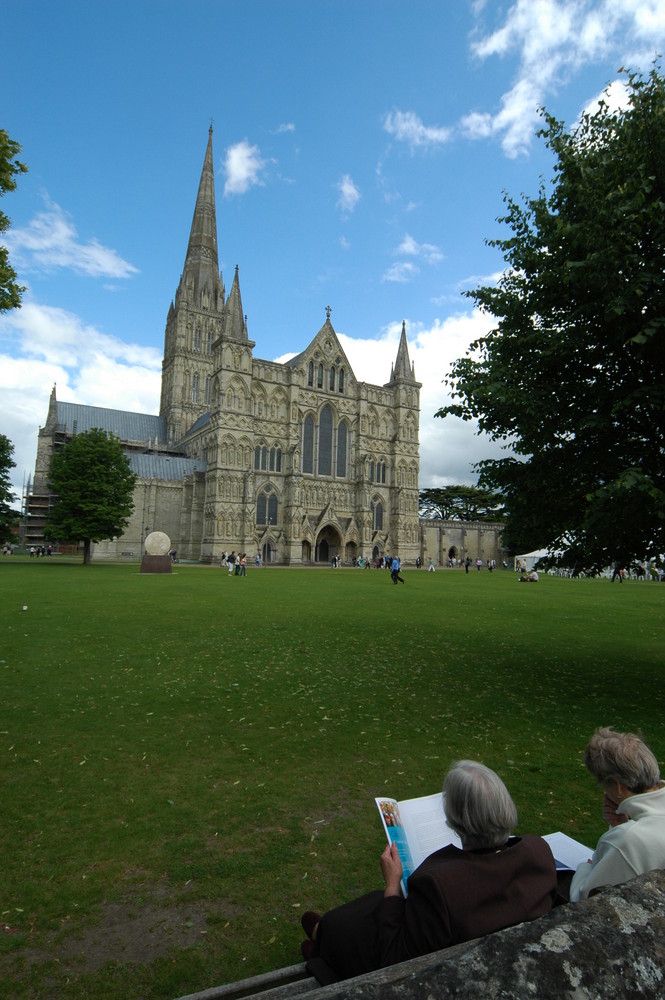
x=419 y=827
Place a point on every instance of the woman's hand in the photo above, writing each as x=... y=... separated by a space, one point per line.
x=391 y=866
x=610 y=811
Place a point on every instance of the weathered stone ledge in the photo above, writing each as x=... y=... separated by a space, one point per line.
x=609 y=947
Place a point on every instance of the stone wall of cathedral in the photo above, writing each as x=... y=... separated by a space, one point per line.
x=304 y=462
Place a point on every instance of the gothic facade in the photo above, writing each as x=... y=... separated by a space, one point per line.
x=298 y=461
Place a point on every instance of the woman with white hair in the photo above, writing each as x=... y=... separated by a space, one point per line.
x=495 y=881
x=633 y=805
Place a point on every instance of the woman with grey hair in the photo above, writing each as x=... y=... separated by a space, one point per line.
x=634 y=807
x=494 y=881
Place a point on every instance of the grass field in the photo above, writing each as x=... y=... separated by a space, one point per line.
x=189 y=761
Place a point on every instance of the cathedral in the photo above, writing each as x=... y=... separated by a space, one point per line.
x=299 y=462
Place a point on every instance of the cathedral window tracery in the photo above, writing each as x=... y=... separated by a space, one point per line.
x=342 y=439
x=376 y=510
x=195 y=388
x=266 y=506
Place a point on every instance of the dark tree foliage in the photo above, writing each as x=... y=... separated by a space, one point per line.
x=8 y=517
x=10 y=291
x=461 y=503
x=94 y=487
x=572 y=378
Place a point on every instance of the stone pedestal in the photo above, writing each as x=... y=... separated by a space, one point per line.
x=156 y=564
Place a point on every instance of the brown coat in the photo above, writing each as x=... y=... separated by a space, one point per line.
x=453 y=896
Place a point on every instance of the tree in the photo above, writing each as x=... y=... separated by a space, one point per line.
x=572 y=378
x=8 y=517
x=10 y=291
x=463 y=503
x=94 y=487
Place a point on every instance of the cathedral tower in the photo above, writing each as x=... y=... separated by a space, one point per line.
x=404 y=500
x=196 y=317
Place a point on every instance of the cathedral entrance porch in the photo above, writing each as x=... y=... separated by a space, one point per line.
x=328 y=544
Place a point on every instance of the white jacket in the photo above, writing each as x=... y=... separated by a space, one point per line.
x=632 y=848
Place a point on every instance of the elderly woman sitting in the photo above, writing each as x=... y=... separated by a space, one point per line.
x=455 y=895
x=634 y=807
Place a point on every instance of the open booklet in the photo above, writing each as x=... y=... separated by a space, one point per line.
x=418 y=827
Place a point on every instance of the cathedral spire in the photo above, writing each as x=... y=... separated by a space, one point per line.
x=235 y=327
x=402 y=368
x=201 y=264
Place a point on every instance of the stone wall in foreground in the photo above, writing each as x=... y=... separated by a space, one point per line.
x=609 y=947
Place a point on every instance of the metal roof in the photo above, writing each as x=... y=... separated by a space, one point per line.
x=168 y=467
x=124 y=425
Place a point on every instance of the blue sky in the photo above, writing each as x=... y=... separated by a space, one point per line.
x=362 y=148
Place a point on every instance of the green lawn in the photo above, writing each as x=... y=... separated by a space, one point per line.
x=190 y=761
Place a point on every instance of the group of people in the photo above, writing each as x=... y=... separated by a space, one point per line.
x=236 y=564
x=496 y=879
x=40 y=550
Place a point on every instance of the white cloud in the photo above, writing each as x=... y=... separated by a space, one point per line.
x=407 y=127
x=554 y=39
x=42 y=346
x=402 y=272
x=428 y=252
x=349 y=195
x=287 y=127
x=50 y=241
x=243 y=166
x=615 y=96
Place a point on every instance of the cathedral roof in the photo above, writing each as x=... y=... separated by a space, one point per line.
x=170 y=467
x=199 y=424
x=76 y=418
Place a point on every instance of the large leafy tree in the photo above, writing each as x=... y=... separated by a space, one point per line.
x=10 y=290
x=462 y=503
x=93 y=486
x=572 y=378
x=8 y=517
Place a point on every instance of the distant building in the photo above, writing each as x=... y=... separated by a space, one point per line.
x=298 y=461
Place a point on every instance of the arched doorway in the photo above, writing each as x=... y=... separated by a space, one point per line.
x=306 y=551
x=268 y=553
x=328 y=544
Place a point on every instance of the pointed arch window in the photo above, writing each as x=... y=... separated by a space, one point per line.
x=195 y=388
x=267 y=506
x=310 y=374
x=319 y=377
x=206 y=391
x=340 y=381
x=376 y=509
x=209 y=343
x=332 y=380
x=325 y=441
x=275 y=459
x=196 y=344
x=308 y=445
x=342 y=438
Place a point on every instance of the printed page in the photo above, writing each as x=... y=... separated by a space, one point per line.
x=568 y=853
x=392 y=824
x=425 y=826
